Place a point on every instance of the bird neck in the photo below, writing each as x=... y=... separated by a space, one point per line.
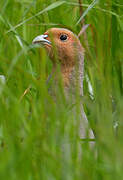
x=73 y=75
x=66 y=72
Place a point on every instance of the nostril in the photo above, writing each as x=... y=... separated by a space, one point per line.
x=45 y=35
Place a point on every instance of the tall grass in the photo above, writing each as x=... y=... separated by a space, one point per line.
x=34 y=127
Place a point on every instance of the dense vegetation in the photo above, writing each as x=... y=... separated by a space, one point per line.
x=33 y=128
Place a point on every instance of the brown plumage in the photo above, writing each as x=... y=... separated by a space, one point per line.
x=64 y=47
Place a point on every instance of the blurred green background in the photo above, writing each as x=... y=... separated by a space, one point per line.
x=32 y=126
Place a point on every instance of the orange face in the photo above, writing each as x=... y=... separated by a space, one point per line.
x=61 y=44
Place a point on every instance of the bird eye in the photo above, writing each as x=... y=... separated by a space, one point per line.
x=63 y=37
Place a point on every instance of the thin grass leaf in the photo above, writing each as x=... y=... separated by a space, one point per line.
x=2 y=19
x=87 y=10
x=15 y=59
x=17 y=36
x=96 y=8
x=50 y=7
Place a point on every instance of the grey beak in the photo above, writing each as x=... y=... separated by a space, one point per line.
x=41 y=39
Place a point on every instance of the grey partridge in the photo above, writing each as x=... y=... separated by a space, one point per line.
x=65 y=45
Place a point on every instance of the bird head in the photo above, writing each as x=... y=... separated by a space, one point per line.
x=62 y=45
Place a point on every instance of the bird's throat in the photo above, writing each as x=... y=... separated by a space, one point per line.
x=73 y=75
x=66 y=75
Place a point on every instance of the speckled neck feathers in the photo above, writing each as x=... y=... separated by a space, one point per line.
x=73 y=76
